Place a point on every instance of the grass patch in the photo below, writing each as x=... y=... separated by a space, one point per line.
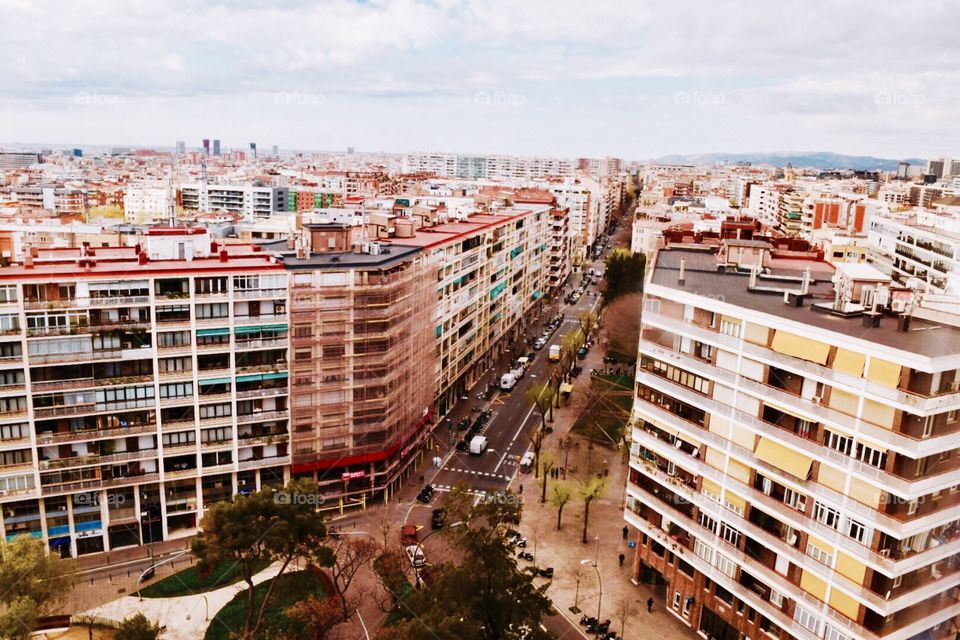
x=290 y=589
x=189 y=581
x=605 y=416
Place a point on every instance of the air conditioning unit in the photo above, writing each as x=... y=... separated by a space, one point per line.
x=816 y=399
x=955 y=385
x=124 y=318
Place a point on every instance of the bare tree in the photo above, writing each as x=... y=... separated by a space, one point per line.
x=547 y=462
x=350 y=554
x=623 y=324
x=540 y=395
x=625 y=611
x=587 y=320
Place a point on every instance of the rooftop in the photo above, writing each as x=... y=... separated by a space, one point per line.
x=701 y=277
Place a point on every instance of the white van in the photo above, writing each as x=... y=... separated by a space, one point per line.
x=523 y=362
x=526 y=462
x=508 y=381
x=478 y=445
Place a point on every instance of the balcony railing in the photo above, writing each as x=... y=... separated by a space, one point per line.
x=262 y=415
x=94 y=434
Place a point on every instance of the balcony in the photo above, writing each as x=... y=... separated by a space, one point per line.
x=119 y=301
x=256 y=463
x=82 y=356
x=99 y=434
x=252 y=294
x=262 y=415
x=911 y=401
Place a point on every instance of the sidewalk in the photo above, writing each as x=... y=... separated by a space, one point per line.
x=575 y=579
x=185 y=617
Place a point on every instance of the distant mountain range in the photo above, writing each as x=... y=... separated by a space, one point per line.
x=799 y=159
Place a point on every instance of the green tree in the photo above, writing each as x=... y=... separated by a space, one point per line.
x=481 y=595
x=540 y=395
x=624 y=274
x=138 y=627
x=547 y=462
x=32 y=580
x=273 y=525
x=560 y=495
x=590 y=490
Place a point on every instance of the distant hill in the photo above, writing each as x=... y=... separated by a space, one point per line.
x=799 y=159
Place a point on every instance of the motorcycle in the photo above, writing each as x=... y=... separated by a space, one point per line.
x=525 y=555
x=545 y=573
x=586 y=620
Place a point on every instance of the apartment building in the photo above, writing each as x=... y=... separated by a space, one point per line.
x=494 y=167
x=18 y=160
x=251 y=201
x=57 y=199
x=146 y=204
x=363 y=361
x=794 y=466
x=923 y=246
x=138 y=386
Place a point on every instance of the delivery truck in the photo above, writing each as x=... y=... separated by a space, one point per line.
x=554 y=352
x=478 y=445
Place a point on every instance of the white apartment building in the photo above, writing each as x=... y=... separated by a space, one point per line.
x=248 y=200
x=794 y=463
x=921 y=248
x=146 y=204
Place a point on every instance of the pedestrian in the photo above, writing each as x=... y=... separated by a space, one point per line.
x=622 y=558
x=626 y=532
x=649 y=605
x=521 y=489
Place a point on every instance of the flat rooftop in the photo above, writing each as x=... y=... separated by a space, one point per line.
x=390 y=255
x=702 y=277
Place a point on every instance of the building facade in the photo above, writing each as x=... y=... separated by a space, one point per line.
x=794 y=467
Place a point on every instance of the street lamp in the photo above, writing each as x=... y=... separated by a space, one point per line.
x=600 y=595
x=576 y=595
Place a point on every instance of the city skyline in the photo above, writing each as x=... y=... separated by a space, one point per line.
x=609 y=79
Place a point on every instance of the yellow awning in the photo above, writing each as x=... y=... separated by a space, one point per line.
x=883 y=372
x=800 y=347
x=711 y=487
x=788 y=460
x=736 y=501
x=849 y=362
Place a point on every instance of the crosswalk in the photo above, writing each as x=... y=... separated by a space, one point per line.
x=496 y=476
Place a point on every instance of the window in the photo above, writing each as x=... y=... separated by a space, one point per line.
x=676 y=600
x=708 y=523
x=216 y=410
x=220 y=434
x=826 y=515
x=213 y=310
x=838 y=442
x=832 y=634
x=819 y=555
x=952 y=416
x=723 y=594
x=176 y=390
x=729 y=534
x=807 y=619
x=687 y=605
x=729 y=328
x=726 y=565
x=775 y=597
x=8 y=293
x=173 y=339
x=702 y=550
x=14 y=431
x=174 y=439
x=857 y=530
x=794 y=499
x=871 y=456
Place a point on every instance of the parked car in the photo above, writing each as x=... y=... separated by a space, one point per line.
x=408 y=535
x=416 y=555
x=426 y=494
x=526 y=462
x=437 y=518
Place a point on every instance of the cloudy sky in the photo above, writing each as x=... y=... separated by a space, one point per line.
x=634 y=79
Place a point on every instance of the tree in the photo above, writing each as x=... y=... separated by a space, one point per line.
x=389 y=571
x=590 y=490
x=625 y=611
x=623 y=325
x=547 y=463
x=138 y=627
x=587 y=320
x=272 y=525
x=481 y=595
x=350 y=554
x=560 y=495
x=316 y=617
x=540 y=395
x=624 y=274
x=32 y=580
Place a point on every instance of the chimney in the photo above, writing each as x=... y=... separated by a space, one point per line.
x=903 y=323
x=28 y=261
x=754 y=273
x=223 y=255
x=683 y=269
x=805 y=286
x=137 y=249
x=34 y=252
x=213 y=246
x=141 y=258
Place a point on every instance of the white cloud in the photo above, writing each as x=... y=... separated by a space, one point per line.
x=820 y=64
